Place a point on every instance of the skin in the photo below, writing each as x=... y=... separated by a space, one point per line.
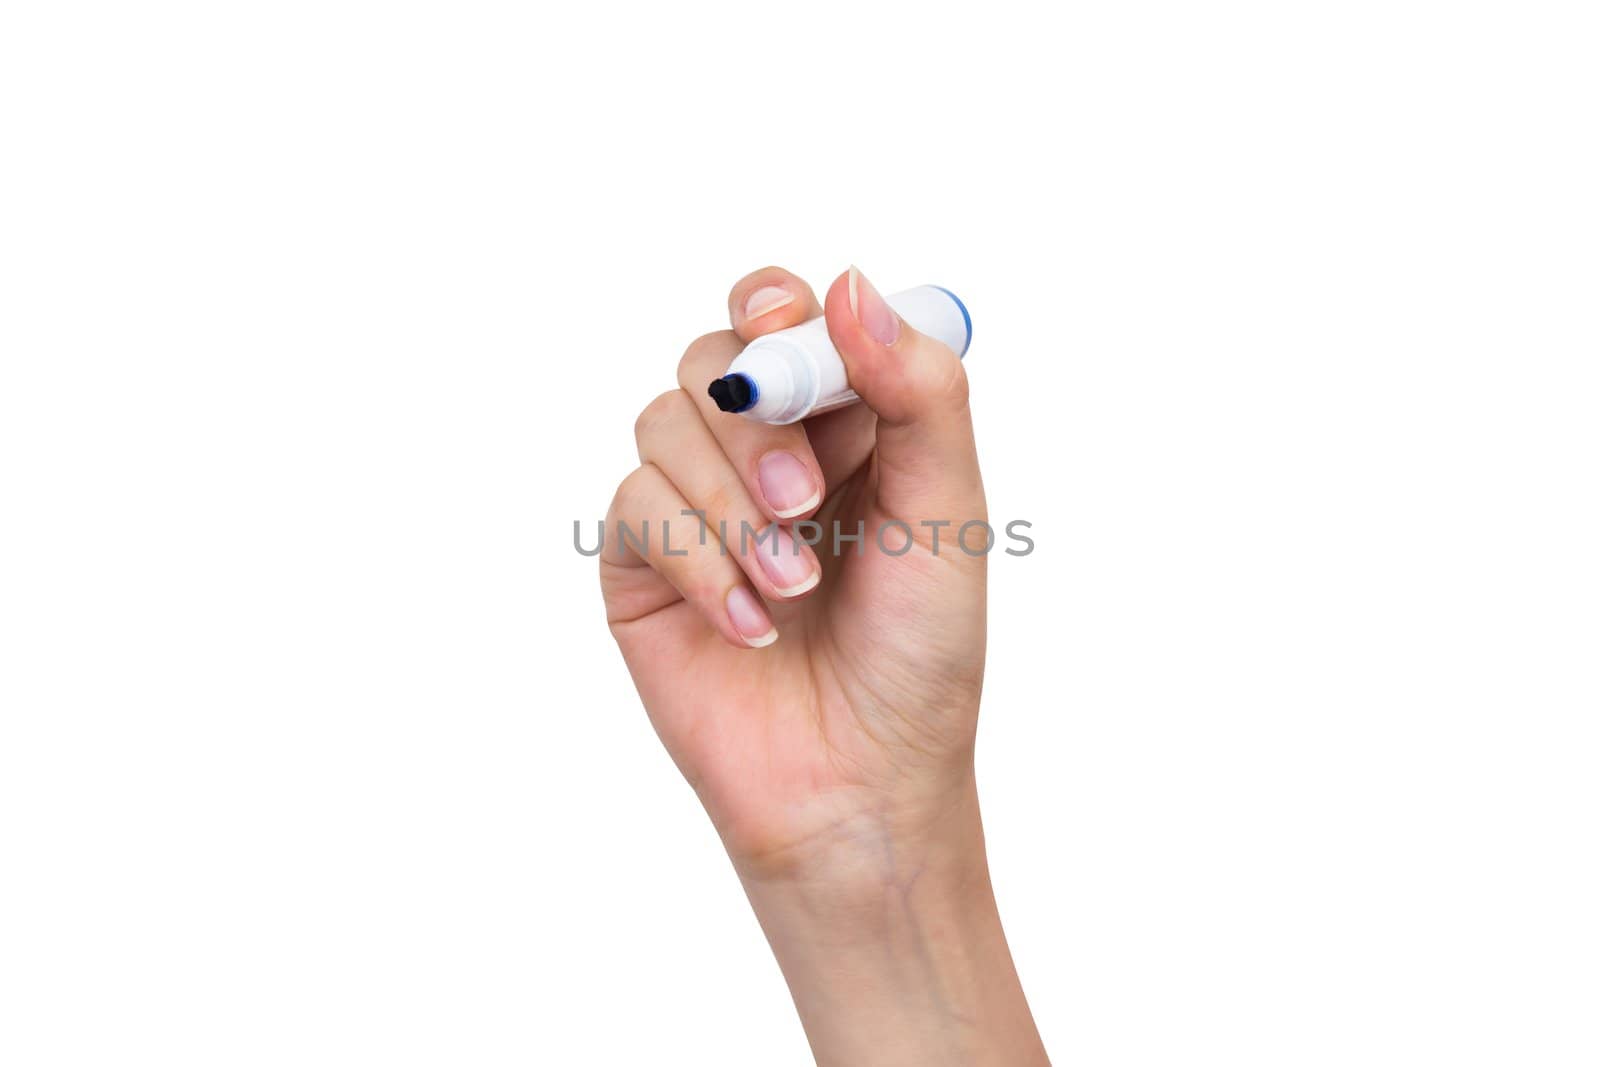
x=837 y=761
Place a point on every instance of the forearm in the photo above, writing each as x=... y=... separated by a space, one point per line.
x=898 y=956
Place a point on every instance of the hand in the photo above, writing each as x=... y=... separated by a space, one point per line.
x=823 y=704
x=858 y=724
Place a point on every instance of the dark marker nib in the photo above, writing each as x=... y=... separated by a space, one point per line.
x=733 y=392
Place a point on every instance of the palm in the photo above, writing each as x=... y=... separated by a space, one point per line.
x=868 y=681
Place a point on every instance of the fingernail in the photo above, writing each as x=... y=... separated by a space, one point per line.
x=765 y=299
x=750 y=619
x=791 y=569
x=787 y=484
x=872 y=311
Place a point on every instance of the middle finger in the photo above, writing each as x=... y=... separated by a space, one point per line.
x=672 y=435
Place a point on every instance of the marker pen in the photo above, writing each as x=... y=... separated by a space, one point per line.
x=794 y=373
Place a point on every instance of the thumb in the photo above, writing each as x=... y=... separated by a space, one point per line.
x=927 y=459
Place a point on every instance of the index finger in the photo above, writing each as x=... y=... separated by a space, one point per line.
x=772 y=299
x=769 y=300
x=775 y=462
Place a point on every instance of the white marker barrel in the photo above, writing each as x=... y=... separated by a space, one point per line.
x=795 y=373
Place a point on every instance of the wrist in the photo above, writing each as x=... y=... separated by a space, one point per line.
x=894 y=951
x=871 y=848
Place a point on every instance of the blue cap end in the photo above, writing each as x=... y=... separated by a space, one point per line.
x=734 y=393
x=965 y=317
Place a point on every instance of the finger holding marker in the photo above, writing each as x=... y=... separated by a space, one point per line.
x=773 y=299
x=769 y=299
x=917 y=386
x=673 y=437
x=701 y=573
x=775 y=462
x=785 y=376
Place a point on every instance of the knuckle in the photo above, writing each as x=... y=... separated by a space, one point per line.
x=711 y=592
x=660 y=414
x=951 y=385
x=701 y=353
x=631 y=491
x=716 y=505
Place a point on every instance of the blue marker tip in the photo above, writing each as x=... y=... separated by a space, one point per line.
x=734 y=393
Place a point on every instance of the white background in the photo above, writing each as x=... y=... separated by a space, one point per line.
x=322 y=322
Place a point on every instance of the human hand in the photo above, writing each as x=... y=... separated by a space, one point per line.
x=858 y=724
x=835 y=762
